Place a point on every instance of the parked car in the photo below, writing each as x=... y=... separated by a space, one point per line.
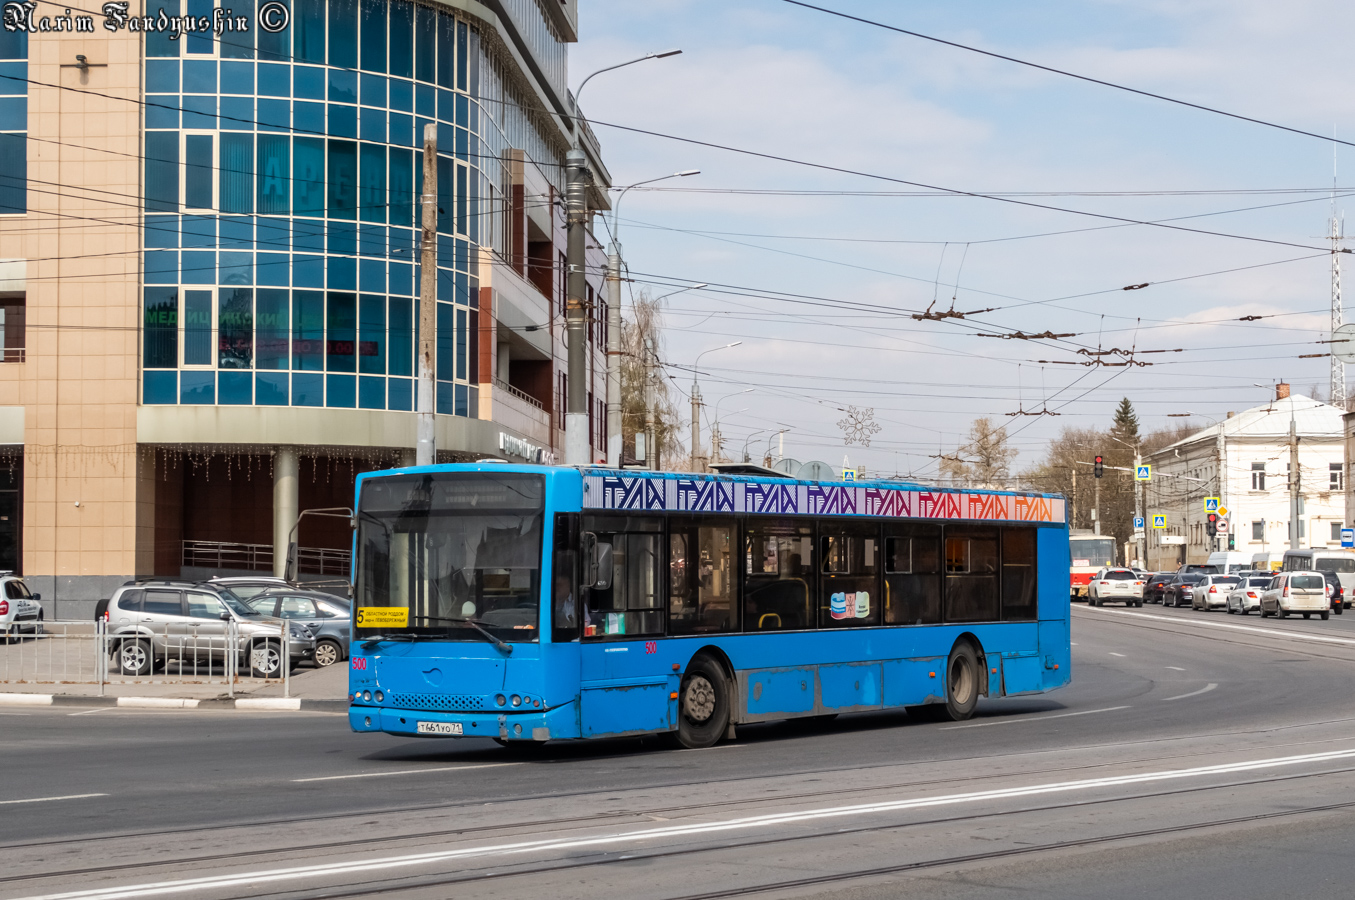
x=20 y=611
x=324 y=615
x=1246 y=596
x=1115 y=584
x=245 y=586
x=1213 y=591
x=152 y=622
x=1296 y=592
x=1180 y=591
x=1155 y=586
x=1335 y=592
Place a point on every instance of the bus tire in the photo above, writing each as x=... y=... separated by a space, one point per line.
x=962 y=683
x=703 y=704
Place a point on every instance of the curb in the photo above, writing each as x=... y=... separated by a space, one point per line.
x=274 y=704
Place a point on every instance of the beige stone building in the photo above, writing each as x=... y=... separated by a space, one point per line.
x=209 y=279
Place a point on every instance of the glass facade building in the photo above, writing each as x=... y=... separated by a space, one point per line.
x=282 y=177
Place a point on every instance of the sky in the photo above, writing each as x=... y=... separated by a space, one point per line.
x=818 y=271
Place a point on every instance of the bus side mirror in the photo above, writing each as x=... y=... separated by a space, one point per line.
x=597 y=562
x=289 y=569
x=603 y=566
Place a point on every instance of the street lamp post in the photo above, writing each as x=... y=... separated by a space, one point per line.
x=578 y=178
x=749 y=438
x=715 y=438
x=697 y=457
x=767 y=457
x=614 y=427
x=1138 y=499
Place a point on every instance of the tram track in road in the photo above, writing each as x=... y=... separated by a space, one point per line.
x=1295 y=642
x=582 y=822
x=402 y=884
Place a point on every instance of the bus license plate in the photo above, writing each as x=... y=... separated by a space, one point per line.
x=439 y=728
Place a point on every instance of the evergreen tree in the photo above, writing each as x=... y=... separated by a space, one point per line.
x=1126 y=425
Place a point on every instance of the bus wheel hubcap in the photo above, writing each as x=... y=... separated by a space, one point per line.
x=961 y=680
x=699 y=700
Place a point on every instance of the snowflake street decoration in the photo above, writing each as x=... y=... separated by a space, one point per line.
x=858 y=426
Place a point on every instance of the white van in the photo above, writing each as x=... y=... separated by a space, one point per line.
x=1227 y=562
x=1270 y=561
x=1322 y=559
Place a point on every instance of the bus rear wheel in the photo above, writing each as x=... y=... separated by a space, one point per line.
x=703 y=704
x=962 y=682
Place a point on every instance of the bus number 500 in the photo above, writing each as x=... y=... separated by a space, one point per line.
x=651 y=646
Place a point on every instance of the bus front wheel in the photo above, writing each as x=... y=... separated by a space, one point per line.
x=703 y=704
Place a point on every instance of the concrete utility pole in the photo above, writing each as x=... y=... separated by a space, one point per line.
x=426 y=448
x=578 y=178
x=614 y=426
x=1294 y=478
x=696 y=429
x=1220 y=450
x=651 y=429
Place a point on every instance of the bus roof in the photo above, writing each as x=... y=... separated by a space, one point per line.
x=634 y=489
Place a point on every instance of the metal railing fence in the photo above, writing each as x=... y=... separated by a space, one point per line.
x=213 y=652
x=259 y=557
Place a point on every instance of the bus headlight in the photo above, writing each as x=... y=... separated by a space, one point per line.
x=380 y=697
x=498 y=700
x=516 y=700
x=367 y=696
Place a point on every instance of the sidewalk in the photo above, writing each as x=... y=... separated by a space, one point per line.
x=321 y=690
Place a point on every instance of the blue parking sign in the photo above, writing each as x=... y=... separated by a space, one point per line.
x=1138 y=523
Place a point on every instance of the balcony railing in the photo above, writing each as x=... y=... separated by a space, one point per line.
x=13 y=355
x=521 y=395
x=259 y=557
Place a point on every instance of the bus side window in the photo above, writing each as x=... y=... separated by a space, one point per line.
x=564 y=580
x=913 y=575
x=632 y=604
x=778 y=583
x=704 y=604
x=850 y=590
x=972 y=574
x=1018 y=574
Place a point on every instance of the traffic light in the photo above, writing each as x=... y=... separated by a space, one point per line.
x=1098 y=469
x=1211 y=524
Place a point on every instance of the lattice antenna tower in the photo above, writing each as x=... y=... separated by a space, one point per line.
x=1338 y=368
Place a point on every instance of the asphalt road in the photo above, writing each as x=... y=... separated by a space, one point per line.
x=1194 y=754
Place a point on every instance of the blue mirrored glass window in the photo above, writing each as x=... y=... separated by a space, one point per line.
x=371 y=392
x=308 y=330
x=197 y=387
x=197 y=328
x=372 y=335
x=402 y=39
x=274 y=174
x=235 y=388
x=341 y=332
x=160 y=348
x=273 y=328
x=401 y=336
x=270 y=389
x=308 y=23
x=343 y=33
x=372 y=34
x=308 y=177
x=308 y=390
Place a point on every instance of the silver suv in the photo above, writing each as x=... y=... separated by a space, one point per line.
x=152 y=622
x=20 y=611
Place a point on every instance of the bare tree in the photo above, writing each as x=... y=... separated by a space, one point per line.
x=642 y=338
x=985 y=460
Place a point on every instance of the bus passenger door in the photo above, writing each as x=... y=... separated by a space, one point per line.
x=624 y=688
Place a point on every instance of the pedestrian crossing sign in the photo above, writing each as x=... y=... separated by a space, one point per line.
x=1143 y=473
x=1159 y=521
x=1211 y=504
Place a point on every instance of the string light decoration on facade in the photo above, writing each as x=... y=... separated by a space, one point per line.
x=858 y=426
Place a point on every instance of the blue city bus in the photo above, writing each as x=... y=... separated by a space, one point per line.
x=532 y=603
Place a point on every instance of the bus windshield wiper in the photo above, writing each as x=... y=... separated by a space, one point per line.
x=369 y=643
x=506 y=648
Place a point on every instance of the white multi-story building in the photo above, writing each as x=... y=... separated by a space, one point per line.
x=1252 y=450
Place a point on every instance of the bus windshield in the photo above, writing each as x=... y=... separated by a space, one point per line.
x=1096 y=551
x=457 y=549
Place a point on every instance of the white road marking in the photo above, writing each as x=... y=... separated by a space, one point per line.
x=1015 y=719
x=342 y=870
x=1113 y=653
x=1180 y=620
x=1204 y=690
x=50 y=799
x=404 y=772
x=89 y=712
x=1176 y=668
